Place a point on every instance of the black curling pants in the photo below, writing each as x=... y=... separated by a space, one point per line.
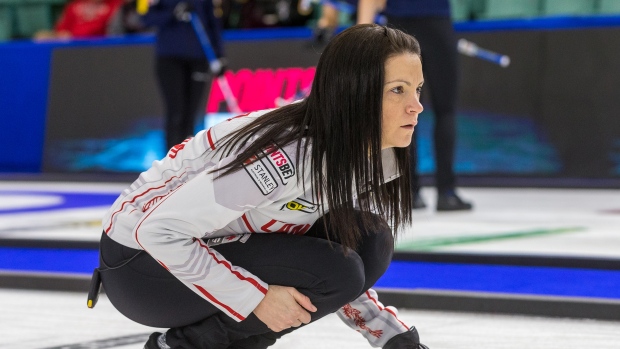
x=183 y=83
x=145 y=292
x=441 y=77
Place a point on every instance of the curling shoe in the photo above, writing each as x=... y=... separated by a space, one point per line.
x=449 y=201
x=405 y=340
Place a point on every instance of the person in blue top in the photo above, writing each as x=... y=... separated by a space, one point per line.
x=430 y=22
x=181 y=66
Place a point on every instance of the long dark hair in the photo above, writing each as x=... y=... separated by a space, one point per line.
x=341 y=119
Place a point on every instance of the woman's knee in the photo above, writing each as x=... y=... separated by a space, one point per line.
x=347 y=278
x=377 y=241
x=376 y=249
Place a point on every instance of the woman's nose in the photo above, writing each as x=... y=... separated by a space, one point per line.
x=415 y=107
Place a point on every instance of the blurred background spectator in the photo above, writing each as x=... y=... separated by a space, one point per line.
x=343 y=13
x=330 y=18
x=82 y=19
x=24 y=18
x=264 y=13
x=181 y=66
x=126 y=20
x=430 y=22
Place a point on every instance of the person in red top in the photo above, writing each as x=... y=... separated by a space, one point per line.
x=83 y=19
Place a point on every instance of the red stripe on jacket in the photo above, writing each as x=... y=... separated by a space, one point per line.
x=135 y=198
x=214 y=300
x=234 y=272
x=210 y=139
x=223 y=262
x=247 y=223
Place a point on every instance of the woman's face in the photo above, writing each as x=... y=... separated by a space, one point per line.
x=401 y=99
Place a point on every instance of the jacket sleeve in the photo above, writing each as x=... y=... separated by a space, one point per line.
x=376 y=322
x=172 y=229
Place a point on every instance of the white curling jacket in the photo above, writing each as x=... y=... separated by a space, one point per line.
x=180 y=201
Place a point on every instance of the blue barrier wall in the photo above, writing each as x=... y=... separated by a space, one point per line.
x=24 y=72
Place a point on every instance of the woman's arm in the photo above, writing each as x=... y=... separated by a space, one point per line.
x=284 y=307
x=172 y=231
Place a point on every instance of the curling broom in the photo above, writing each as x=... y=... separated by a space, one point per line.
x=470 y=49
x=214 y=63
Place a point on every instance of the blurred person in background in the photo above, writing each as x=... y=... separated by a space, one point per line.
x=264 y=13
x=430 y=22
x=182 y=68
x=126 y=20
x=329 y=20
x=82 y=19
x=331 y=11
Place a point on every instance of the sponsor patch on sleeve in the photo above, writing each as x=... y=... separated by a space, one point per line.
x=260 y=174
x=301 y=205
x=281 y=163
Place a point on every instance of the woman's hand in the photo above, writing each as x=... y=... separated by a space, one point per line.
x=284 y=307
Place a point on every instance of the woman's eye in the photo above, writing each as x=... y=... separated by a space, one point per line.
x=418 y=90
x=398 y=90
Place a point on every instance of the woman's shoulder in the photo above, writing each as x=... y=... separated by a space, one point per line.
x=233 y=123
x=241 y=119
